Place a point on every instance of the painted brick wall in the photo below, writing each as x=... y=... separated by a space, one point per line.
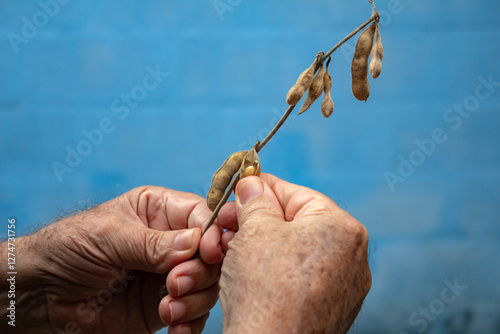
x=418 y=163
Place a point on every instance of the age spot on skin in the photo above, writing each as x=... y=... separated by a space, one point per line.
x=358 y=239
x=302 y=257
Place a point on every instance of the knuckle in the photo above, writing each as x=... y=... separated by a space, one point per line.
x=368 y=281
x=157 y=254
x=140 y=191
x=147 y=189
x=362 y=237
x=357 y=234
x=258 y=216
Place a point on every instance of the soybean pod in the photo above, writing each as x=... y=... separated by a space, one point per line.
x=327 y=105
x=223 y=177
x=303 y=82
x=314 y=91
x=359 y=66
x=377 y=55
x=250 y=164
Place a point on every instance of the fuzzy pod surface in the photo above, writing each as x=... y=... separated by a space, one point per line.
x=377 y=55
x=327 y=105
x=359 y=65
x=314 y=91
x=223 y=177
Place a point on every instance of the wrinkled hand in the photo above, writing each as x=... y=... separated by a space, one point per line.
x=297 y=263
x=101 y=270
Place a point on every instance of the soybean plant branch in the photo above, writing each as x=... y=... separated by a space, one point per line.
x=374 y=16
x=260 y=145
x=282 y=120
x=235 y=179
x=222 y=201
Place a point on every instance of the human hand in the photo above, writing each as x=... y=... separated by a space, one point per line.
x=100 y=271
x=297 y=263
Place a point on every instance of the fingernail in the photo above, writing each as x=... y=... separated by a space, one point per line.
x=249 y=188
x=182 y=241
x=177 y=311
x=184 y=285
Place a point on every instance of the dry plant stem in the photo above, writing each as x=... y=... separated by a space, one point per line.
x=230 y=188
x=222 y=201
x=374 y=16
x=287 y=113
x=275 y=129
x=259 y=145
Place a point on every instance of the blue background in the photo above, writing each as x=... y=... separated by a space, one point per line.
x=229 y=72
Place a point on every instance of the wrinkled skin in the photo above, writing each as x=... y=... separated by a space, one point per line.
x=100 y=271
x=297 y=263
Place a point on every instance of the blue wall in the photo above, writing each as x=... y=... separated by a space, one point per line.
x=433 y=224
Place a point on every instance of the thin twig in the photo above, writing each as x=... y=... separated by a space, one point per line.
x=222 y=201
x=374 y=16
x=230 y=189
x=259 y=145
x=348 y=37
x=275 y=129
x=373 y=6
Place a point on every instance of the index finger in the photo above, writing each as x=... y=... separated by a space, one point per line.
x=165 y=209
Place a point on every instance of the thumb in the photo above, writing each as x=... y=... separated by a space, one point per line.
x=158 y=251
x=255 y=201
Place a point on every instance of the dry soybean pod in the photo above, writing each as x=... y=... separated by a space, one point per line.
x=359 y=66
x=223 y=177
x=377 y=55
x=303 y=82
x=250 y=164
x=327 y=103
x=221 y=180
x=314 y=91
